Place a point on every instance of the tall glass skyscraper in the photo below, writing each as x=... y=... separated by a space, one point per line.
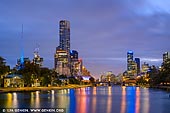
x=65 y=35
x=166 y=56
x=137 y=60
x=62 y=54
x=129 y=60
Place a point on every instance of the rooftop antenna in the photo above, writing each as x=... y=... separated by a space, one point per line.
x=22 y=48
x=36 y=50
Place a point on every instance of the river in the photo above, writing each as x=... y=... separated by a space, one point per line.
x=115 y=99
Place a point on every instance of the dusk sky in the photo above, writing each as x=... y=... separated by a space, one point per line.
x=102 y=31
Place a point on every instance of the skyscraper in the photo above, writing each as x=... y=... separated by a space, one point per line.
x=137 y=60
x=65 y=35
x=61 y=62
x=62 y=54
x=166 y=56
x=74 y=62
x=129 y=60
x=131 y=65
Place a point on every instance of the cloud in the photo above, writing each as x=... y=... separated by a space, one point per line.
x=101 y=31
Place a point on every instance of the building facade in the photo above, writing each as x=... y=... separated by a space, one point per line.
x=166 y=56
x=13 y=81
x=131 y=66
x=65 y=35
x=74 y=62
x=129 y=60
x=61 y=62
x=137 y=61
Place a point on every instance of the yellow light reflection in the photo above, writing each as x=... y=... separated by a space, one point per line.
x=32 y=99
x=37 y=99
x=9 y=100
x=64 y=99
x=52 y=98
x=123 y=102
x=109 y=100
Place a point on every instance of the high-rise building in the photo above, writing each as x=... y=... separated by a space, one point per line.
x=21 y=62
x=37 y=59
x=129 y=60
x=74 y=62
x=137 y=60
x=145 y=67
x=62 y=56
x=65 y=35
x=131 y=66
x=73 y=55
x=61 y=62
x=166 y=56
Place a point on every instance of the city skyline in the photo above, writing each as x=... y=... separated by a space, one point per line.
x=102 y=32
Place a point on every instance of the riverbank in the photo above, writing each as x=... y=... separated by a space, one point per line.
x=167 y=88
x=24 y=89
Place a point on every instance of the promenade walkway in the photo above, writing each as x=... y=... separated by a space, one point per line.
x=23 y=89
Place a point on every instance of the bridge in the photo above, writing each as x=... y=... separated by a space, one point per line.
x=108 y=83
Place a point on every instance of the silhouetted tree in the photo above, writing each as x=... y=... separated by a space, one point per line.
x=3 y=70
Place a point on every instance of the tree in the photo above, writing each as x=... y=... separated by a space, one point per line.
x=73 y=80
x=91 y=79
x=154 y=75
x=3 y=70
x=30 y=72
x=45 y=76
x=165 y=72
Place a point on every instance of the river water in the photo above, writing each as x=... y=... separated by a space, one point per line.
x=115 y=99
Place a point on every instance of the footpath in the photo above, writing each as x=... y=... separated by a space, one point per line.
x=23 y=89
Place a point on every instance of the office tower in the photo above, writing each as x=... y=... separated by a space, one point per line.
x=21 y=62
x=37 y=59
x=61 y=62
x=166 y=56
x=131 y=65
x=137 y=60
x=62 y=55
x=129 y=60
x=73 y=55
x=65 y=35
x=145 y=67
x=74 y=62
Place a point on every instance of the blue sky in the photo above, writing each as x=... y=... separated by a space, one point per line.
x=101 y=31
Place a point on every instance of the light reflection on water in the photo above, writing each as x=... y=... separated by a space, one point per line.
x=15 y=99
x=137 y=104
x=114 y=99
x=123 y=102
x=109 y=100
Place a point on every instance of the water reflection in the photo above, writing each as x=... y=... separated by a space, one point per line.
x=114 y=99
x=109 y=100
x=63 y=99
x=130 y=102
x=72 y=101
x=52 y=98
x=146 y=101
x=137 y=104
x=9 y=100
x=82 y=100
x=15 y=100
x=123 y=102
x=94 y=100
x=37 y=99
